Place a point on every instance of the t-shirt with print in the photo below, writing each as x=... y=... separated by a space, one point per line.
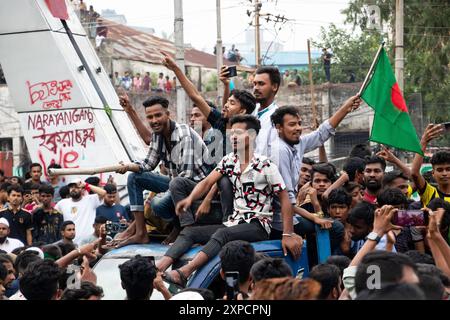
x=47 y=225
x=114 y=213
x=253 y=189
x=430 y=192
x=81 y=212
x=19 y=223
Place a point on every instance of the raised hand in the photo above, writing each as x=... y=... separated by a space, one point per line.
x=168 y=61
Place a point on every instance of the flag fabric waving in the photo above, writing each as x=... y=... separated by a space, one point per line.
x=391 y=124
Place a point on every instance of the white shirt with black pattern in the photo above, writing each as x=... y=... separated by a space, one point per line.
x=253 y=189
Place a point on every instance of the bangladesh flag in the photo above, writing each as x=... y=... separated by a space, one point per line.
x=391 y=124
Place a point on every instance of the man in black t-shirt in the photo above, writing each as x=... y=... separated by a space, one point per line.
x=326 y=63
x=20 y=222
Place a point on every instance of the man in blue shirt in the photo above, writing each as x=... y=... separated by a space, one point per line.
x=111 y=211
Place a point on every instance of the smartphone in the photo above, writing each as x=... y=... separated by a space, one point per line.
x=232 y=284
x=151 y=259
x=232 y=72
x=410 y=218
x=446 y=126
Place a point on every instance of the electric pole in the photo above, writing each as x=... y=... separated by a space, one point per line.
x=399 y=60
x=179 y=58
x=257 y=43
x=219 y=57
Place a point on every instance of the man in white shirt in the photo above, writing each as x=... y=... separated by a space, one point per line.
x=265 y=87
x=7 y=244
x=81 y=208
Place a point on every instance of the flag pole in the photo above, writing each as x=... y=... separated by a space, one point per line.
x=371 y=69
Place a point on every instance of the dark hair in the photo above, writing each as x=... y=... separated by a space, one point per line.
x=66 y=247
x=54 y=166
x=393 y=197
x=309 y=161
x=18 y=178
x=66 y=223
x=362 y=211
x=350 y=186
x=110 y=188
x=376 y=159
x=35 y=164
x=238 y=256
x=269 y=268
x=64 y=192
x=246 y=99
x=100 y=220
x=46 y=189
x=17 y=188
x=440 y=157
x=324 y=168
x=137 y=275
x=390 y=265
x=4 y=186
x=361 y=150
x=437 y=203
x=40 y=280
x=4 y=257
x=250 y=121
x=339 y=196
x=342 y=262
x=278 y=115
x=205 y=293
x=419 y=257
x=95 y=181
x=434 y=271
x=389 y=177
x=156 y=100
x=430 y=283
x=273 y=72
x=328 y=275
x=393 y=291
x=3 y=272
x=86 y=290
x=2 y=173
x=52 y=251
x=354 y=165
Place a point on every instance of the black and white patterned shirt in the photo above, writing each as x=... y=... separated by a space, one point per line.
x=185 y=159
x=253 y=189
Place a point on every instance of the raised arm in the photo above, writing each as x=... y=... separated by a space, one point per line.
x=226 y=84
x=187 y=85
x=387 y=155
x=143 y=130
x=432 y=131
x=343 y=179
x=351 y=104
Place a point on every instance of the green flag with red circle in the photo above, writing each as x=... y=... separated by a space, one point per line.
x=391 y=124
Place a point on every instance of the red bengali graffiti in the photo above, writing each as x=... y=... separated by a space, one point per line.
x=71 y=138
x=51 y=93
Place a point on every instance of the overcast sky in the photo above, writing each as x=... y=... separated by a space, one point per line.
x=200 y=19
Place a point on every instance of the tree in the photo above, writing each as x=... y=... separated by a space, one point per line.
x=426 y=49
x=352 y=53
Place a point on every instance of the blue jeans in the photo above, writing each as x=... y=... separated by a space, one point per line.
x=162 y=207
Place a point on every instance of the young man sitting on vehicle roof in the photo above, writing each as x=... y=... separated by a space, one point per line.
x=256 y=181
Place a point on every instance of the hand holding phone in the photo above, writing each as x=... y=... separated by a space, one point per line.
x=232 y=72
x=232 y=284
x=410 y=218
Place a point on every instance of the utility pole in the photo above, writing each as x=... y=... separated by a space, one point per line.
x=399 y=60
x=257 y=41
x=179 y=58
x=311 y=88
x=219 y=57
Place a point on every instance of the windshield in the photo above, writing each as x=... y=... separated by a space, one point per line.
x=108 y=277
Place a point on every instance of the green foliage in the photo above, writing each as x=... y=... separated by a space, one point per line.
x=211 y=83
x=426 y=49
x=352 y=53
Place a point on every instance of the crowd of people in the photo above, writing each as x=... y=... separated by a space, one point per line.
x=137 y=83
x=249 y=158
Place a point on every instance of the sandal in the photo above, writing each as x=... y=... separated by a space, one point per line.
x=168 y=278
